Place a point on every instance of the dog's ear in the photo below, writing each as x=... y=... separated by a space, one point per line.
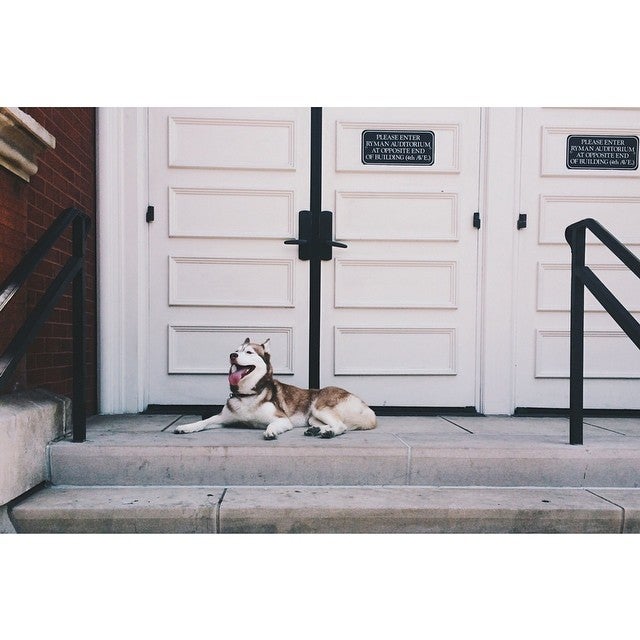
x=265 y=345
x=247 y=341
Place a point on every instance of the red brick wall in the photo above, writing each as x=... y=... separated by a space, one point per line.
x=65 y=177
x=13 y=232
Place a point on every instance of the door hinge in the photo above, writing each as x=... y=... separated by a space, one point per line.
x=476 y=219
x=522 y=221
x=150 y=214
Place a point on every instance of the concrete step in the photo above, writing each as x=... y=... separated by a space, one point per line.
x=306 y=509
x=491 y=451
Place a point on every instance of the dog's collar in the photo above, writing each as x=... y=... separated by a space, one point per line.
x=261 y=386
x=241 y=395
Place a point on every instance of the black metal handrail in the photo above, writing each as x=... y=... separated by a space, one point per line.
x=581 y=277
x=74 y=271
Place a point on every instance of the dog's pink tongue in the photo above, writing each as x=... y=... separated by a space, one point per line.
x=236 y=376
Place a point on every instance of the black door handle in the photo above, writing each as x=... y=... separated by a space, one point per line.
x=304 y=235
x=326 y=236
x=320 y=246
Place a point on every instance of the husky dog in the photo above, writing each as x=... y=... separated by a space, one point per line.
x=258 y=400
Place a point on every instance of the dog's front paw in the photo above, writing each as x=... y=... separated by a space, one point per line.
x=312 y=431
x=328 y=434
x=187 y=428
x=269 y=435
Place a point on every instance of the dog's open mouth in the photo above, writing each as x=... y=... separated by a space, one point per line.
x=236 y=373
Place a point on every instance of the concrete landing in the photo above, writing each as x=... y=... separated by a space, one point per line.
x=435 y=451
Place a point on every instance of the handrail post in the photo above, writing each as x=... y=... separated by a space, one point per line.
x=79 y=413
x=576 y=356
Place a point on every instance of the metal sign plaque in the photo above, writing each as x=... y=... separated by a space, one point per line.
x=405 y=148
x=602 y=152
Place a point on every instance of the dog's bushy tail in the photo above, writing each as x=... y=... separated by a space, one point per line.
x=368 y=419
x=360 y=417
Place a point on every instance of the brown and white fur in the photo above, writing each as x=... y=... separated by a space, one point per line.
x=258 y=400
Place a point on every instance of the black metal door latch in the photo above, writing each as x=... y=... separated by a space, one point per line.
x=315 y=246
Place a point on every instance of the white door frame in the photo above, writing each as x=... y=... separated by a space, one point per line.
x=122 y=245
x=499 y=202
x=123 y=259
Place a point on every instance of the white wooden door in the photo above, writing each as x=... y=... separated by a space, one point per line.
x=226 y=185
x=399 y=312
x=559 y=187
